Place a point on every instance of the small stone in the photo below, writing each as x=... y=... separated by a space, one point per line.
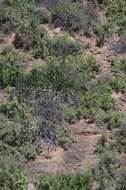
x=57 y=30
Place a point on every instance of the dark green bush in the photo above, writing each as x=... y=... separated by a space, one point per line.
x=11 y=69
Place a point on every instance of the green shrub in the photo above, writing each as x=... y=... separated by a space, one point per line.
x=100 y=35
x=107 y=166
x=70 y=114
x=113 y=119
x=11 y=69
x=116 y=15
x=11 y=136
x=28 y=151
x=100 y=117
x=14 y=142
x=14 y=13
x=71 y=16
x=13 y=109
x=11 y=177
x=91 y=65
x=64 y=45
x=65 y=182
x=119 y=71
x=97 y=99
x=121 y=133
x=119 y=64
x=64 y=135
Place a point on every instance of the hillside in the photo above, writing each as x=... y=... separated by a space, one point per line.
x=62 y=95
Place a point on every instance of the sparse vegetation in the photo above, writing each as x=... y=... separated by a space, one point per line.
x=49 y=80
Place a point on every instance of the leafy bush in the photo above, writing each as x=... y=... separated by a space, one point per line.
x=30 y=35
x=14 y=13
x=65 y=182
x=100 y=35
x=11 y=136
x=116 y=15
x=97 y=98
x=63 y=74
x=119 y=71
x=64 y=45
x=12 y=109
x=71 y=16
x=11 y=69
x=64 y=135
x=121 y=133
x=12 y=177
x=107 y=165
x=119 y=65
x=113 y=119
x=18 y=143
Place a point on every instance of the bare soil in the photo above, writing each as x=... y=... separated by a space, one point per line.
x=77 y=158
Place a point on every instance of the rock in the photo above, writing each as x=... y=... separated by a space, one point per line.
x=31 y=186
x=57 y=30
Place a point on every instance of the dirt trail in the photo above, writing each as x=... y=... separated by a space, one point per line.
x=79 y=156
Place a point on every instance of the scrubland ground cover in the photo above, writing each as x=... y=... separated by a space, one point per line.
x=44 y=100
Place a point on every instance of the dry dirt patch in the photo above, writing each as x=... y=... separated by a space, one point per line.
x=78 y=157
